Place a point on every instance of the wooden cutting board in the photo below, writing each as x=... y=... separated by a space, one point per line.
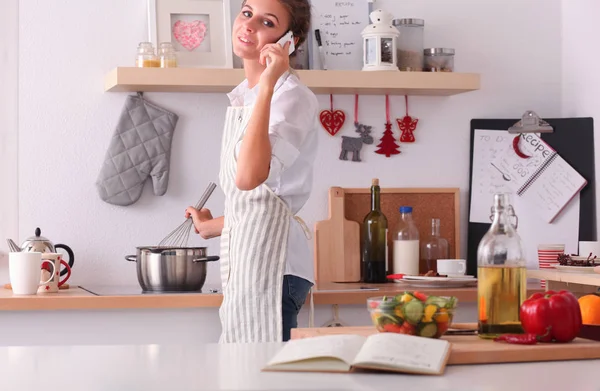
x=337 y=244
x=473 y=350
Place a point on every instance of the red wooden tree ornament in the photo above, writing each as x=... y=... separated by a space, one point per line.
x=407 y=126
x=388 y=146
x=332 y=120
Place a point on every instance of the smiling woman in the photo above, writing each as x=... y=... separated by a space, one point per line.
x=267 y=156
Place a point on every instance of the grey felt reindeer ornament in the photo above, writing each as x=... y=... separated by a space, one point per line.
x=354 y=144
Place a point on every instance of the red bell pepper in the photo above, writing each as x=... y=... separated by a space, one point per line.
x=551 y=316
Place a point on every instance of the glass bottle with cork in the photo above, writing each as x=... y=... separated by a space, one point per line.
x=406 y=244
x=501 y=273
x=433 y=248
x=374 y=248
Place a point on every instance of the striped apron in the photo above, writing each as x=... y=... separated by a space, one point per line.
x=253 y=248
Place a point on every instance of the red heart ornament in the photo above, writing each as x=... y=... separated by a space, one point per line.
x=332 y=120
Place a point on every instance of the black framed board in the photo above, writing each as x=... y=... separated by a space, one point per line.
x=573 y=139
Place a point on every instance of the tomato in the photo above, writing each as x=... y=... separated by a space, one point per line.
x=420 y=296
x=392 y=328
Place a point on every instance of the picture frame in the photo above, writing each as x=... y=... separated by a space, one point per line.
x=199 y=30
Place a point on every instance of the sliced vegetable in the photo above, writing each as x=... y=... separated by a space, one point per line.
x=392 y=328
x=406 y=298
x=420 y=296
x=441 y=316
x=436 y=300
x=428 y=312
x=413 y=311
x=428 y=330
x=384 y=319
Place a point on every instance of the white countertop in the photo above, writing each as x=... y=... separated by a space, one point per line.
x=237 y=367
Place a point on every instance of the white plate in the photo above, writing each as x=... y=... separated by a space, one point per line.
x=436 y=282
x=428 y=278
x=575 y=269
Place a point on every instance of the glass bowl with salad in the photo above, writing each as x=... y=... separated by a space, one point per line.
x=413 y=313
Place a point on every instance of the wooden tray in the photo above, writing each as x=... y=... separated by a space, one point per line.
x=474 y=350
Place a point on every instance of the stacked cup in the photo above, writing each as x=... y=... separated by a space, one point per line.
x=548 y=257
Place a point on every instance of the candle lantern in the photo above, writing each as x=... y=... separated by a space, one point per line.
x=379 y=43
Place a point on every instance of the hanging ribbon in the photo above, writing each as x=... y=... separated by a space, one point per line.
x=332 y=120
x=407 y=126
x=388 y=146
x=354 y=144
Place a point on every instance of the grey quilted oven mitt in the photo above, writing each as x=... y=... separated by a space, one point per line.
x=140 y=147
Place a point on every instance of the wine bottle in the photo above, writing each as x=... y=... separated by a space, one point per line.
x=374 y=240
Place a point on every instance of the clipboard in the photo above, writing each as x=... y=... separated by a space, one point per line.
x=573 y=139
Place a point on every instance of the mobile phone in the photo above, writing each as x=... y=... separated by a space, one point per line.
x=288 y=37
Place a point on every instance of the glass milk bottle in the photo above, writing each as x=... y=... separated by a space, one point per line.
x=501 y=273
x=406 y=244
x=433 y=248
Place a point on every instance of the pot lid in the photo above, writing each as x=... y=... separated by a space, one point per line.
x=38 y=237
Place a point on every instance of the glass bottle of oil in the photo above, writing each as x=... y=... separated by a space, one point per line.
x=501 y=273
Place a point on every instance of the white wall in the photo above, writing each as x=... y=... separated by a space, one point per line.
x=8 y=124
x=66 y=120
x=580 y=77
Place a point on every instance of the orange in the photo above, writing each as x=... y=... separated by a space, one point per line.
x=590 y=309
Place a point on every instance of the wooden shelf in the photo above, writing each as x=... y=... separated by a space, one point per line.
x=204 y=80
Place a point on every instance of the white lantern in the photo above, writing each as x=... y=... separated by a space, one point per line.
x=379 y=43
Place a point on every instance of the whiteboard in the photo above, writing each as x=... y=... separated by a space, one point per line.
x=533 y=230
x=341 y=23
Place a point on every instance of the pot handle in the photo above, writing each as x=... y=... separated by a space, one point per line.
x=207 y=259
x=131 y=258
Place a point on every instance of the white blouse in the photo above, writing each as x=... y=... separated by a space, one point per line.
x=293 y=127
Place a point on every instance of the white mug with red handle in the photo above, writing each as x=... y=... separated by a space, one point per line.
x=24 y=271
x=53 y=285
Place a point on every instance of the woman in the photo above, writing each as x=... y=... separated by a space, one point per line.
x=267 y=154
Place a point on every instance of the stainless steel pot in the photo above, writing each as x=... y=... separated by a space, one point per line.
x=171 y=269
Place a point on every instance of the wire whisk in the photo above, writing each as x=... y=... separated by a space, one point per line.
x=179 y=236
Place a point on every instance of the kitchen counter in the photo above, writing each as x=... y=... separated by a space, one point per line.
x=238 y=367
x=102 y=297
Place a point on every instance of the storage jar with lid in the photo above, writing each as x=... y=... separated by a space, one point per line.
x=146 y=57
x=168 y=57
x=439 y=60
x=410 y=44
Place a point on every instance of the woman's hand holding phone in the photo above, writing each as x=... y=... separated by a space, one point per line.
x=276 y=58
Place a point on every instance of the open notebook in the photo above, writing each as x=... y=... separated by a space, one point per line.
x=544 y=180
x=347 y=353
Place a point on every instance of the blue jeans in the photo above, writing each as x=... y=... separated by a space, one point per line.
x=295 y=290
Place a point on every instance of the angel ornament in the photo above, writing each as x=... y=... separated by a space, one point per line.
x=407 y=126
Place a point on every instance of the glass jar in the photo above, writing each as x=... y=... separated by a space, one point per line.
x=168 y=58
x=433 y=248
x=406 y=244
x=501 y=273
x=410 y=44
x=146 y=57
x=439 y=60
